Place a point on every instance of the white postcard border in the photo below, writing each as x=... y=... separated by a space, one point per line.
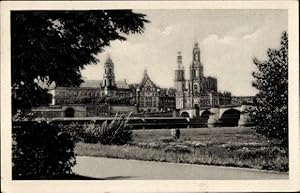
x=150 y=185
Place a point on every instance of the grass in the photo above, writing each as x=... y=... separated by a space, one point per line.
x=212 y=135
x=211 y=146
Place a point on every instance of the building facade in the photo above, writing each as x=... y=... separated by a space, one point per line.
x=148 y=95
x=74 y=95
x=152 y=98
x=198 y=91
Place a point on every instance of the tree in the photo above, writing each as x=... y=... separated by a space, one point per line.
x=271 y=114
x=54 y=46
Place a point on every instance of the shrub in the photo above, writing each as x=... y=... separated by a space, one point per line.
x=149 y=145
x=178 y=149
x=41 y=150
x=117 y=132
x=75 y=130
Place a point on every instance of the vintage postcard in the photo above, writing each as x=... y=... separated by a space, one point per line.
x=156 y=96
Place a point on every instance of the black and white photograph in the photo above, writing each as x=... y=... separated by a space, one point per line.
x=130 y=93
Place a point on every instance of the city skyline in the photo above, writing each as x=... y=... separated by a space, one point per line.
x=228 y=46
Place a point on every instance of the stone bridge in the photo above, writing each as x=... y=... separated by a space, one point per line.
x=223 y=115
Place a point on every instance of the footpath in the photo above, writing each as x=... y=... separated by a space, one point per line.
x=120 y=169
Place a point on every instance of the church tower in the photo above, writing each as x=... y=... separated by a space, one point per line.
x=109 y=76
x=196 y=73
x=179 y=75
x=196 y=68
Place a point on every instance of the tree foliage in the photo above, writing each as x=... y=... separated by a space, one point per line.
x=271 y=114
x=41 y=150
x=54 y=46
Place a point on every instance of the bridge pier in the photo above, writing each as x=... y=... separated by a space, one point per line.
x=245 y=119
x=213 y=119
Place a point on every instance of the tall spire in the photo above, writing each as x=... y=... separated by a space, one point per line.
x=196 y=68
x=196 y=52
x=145 y=72
x=108 y=60
x=179 y=60
x=179 y=81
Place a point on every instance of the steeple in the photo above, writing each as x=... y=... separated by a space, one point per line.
x=108 y=60
x=109 y=75
x=179 y=81
x=179 y=60
x=145 y=72
x=196 y=68
x=196 y=53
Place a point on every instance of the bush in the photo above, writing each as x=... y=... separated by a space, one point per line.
x=41 y=150
x=75 y=130
x=117 y=132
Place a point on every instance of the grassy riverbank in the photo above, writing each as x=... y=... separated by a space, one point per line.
x=216 y=146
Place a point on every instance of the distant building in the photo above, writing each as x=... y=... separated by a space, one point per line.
x=148 y=94
x=152 y=98
x=198 y=91
x=108 y=96
x=117 y=89
x=168 y=99
x=91 y=91
x=74 y=95
x=240 y=100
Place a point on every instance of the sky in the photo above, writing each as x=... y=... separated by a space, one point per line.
x=228 y=42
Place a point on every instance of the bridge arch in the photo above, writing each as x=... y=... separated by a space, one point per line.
x=185 y=114
x=205 y=115
x=230 y=117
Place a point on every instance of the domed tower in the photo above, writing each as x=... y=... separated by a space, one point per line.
x=109 y=75
x=179 y=75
